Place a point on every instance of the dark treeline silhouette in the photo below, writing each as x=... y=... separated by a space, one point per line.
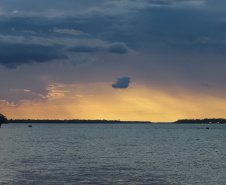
x=70 y=121
x=206 y=120
x=3 y=119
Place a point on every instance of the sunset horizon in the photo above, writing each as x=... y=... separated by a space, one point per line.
x=126 y=59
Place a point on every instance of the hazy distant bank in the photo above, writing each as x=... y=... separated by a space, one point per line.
x=71 y=121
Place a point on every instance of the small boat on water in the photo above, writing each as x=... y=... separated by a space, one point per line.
x=29 y=125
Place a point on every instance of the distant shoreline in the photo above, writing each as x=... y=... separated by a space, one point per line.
x=71 y=121
x=180 y=121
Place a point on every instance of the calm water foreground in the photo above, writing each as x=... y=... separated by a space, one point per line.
x=142 y=154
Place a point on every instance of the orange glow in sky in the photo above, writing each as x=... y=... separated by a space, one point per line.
x=99 y=101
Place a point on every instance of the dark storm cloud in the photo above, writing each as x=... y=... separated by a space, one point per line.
x=122 y=83
x=13 y=55
x=175 y=28
x=161 y=27
x=143 y=25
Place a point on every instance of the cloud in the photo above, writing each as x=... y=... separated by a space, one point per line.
x=13 y=55
x=120 y=48
x=85 y=49
x=159 y=23
x=122 y=83
x=117 y=47
x=69 y=31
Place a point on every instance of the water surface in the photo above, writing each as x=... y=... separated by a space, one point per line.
x=142 y=154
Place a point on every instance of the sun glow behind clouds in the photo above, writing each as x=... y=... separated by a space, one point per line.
x=100 y=101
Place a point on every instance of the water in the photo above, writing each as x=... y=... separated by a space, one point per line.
x=141 y=154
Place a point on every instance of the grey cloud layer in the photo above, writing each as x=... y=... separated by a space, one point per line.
x=28 y=40
x=167 y=25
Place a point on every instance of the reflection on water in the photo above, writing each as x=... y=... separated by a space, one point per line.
x=142 y=154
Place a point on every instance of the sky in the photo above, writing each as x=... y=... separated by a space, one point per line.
x=149 y=60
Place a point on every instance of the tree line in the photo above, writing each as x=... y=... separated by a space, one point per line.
x=3 y=119
x=206 y=120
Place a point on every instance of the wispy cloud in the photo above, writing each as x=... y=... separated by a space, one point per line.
x=69 y=31
x=118 y=48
